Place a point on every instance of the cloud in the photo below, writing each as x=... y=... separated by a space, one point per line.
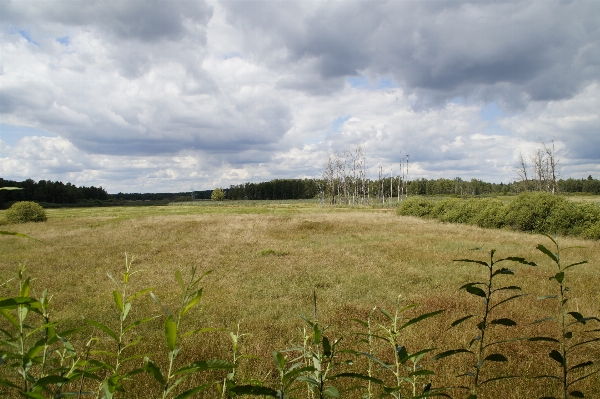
x=157 y=95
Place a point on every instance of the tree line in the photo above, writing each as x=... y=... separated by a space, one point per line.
x=49 y=192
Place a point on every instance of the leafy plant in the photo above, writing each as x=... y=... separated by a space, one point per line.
x=406 y=367
x=493 y=297
x=123 y=303
x=169 y=379
x=570 y=328
x=29 y=349
x=217 y=195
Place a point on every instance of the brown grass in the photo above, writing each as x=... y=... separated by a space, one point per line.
x=268 y=260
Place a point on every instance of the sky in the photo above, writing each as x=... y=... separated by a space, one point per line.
x=170 y=96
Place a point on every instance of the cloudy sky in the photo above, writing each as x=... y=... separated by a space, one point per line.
x=165 y=96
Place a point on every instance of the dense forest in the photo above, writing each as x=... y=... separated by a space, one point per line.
x=47 y=191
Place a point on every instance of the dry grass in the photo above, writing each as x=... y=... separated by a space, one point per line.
x=267 y=260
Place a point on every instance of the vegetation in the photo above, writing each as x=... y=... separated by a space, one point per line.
x=49 y=192
x=217 y=195
x=25 y=211
x=531 y=212
x=357 y=261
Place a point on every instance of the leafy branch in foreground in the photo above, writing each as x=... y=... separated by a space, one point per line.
x=123 y=302
x=33 y=349
x=169 y=379
x=493 y=298
x=406 y=367
x=570 y=325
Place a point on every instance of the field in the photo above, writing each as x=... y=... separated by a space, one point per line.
x=267 y=259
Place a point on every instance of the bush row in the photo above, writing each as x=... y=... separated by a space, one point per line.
x=529 y=212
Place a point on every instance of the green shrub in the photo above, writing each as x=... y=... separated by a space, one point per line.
x=593 y=231
x=572 y=217
x=415 y=207
x=530 y=212
x=25 y=211
x=442 y=208
x=490 y=214
x=217 y=195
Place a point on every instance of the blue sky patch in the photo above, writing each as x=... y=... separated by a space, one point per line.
x=338 y=122
x=27 y=36
x=12 y=134
x=63 y=40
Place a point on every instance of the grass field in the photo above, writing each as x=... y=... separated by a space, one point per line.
x=267 y=259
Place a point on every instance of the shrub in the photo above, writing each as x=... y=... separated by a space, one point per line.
x=530 y=212
x=572 y=217
x=25 y=211
x=593 y=231
x=490 y=215
x=442 y=208
x=217 y=195
x=415 y=207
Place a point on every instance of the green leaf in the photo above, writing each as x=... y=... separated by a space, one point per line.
x=575 y=264
x=504 y=321
x=137 y=294
x=505 y=377
x=359 y=376
x=118 y=300
x=557 y=356
x=577 y=394
x=155 y=299
x=503 y=270
x=547 y=252
x=472 y=261
x=578 y=316
x=179 y=280
x=386 y=314
x=496 y=357
x=450 y=353
x=518 y=259
x=457 y=322
x=193 y=391
x=559 y=277
x=279 y=360
x=475 y=291
x=508 y=299
x=12 y=303
x=193 y=302
x=331 y=392
x=101 y=326
x=420 y=318
x=171 y=333
x=151 y=368
x=253 y=390
x=533 y=339
x=51 y=379
x=204 y=365
x=137 y=323
x=9 y=384
x=326 y=347
x=581 y=365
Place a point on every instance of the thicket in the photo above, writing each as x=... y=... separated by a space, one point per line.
x=40 y=359
x=535 y=212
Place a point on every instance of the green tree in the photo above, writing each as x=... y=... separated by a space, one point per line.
x=217 y=195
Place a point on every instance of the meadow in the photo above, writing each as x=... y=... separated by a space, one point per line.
x=269 y=259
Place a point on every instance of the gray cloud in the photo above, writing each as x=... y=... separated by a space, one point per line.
x=438 y=50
